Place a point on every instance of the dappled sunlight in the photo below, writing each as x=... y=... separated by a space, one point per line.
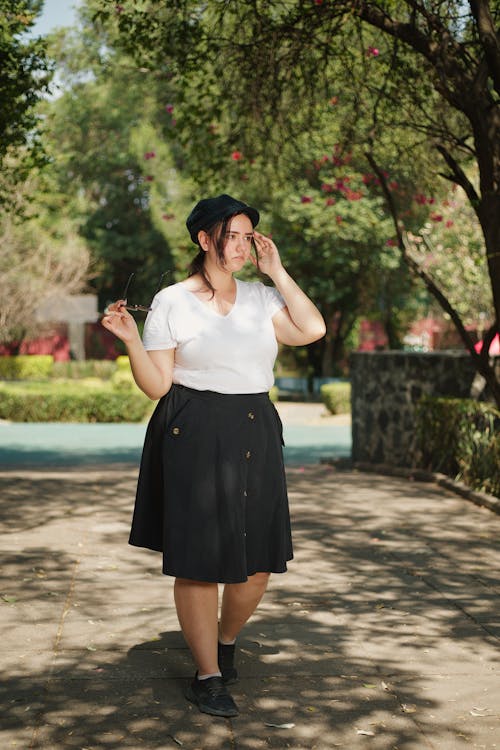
x=384 y=631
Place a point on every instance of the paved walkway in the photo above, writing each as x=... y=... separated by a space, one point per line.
x=383 y=635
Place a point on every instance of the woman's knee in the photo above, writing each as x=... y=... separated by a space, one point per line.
x=259 y=579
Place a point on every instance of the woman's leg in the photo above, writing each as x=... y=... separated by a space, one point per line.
x=197 y=610
x=239 y=602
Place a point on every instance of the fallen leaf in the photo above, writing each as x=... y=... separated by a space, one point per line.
x=481 y=712
x=9 y=599
x=280 y=726
x=365 y=732
x=369 y=685
x=408 y=708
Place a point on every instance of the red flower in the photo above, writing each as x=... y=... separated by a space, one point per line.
x=393 y=185
x=334 y=100
x=149 y=155
x=436 y=217
x=367 y=178
x=306 y=199
x=236 y=156
x=149 y=178
x=326 y=187
x=330 y=202
x=169 y=108
x=168 y=217
x=449 y=223
x=353 y=195
x=338 y=219
x=391 y=243
x=420 y=199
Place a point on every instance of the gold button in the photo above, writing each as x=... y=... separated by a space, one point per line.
x=176 y=431
x=251 y=415
x=248 y=454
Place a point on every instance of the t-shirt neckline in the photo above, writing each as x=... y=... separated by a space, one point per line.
x=210 y=309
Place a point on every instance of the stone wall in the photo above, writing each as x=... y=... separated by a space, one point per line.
x=386 y=387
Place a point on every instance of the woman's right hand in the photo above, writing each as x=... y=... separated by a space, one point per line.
x=118 y=320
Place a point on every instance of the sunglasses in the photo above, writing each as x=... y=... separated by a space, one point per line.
x=142 y=308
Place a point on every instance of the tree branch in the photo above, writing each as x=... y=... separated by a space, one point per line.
x=480 y=362
x=459 y=175
x=488 y=37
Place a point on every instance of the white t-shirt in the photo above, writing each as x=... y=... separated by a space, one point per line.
x=233 y=353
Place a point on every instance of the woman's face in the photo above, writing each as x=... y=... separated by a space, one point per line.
x=237 y=243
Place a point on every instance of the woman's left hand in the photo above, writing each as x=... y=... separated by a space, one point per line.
x=268 y=255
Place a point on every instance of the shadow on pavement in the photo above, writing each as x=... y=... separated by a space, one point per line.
x=383 y=634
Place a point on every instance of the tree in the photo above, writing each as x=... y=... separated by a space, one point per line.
x=25 y=73
x=104 y=138
x=35 y=263
x=437 y=81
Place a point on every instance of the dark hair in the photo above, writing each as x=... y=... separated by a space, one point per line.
x=217 y=234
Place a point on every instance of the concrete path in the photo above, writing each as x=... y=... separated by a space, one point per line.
x=383 y=635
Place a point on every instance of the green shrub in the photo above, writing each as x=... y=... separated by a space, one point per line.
x=274 y=393
x=122 y=364
x=460 y=437
x=336 y=397
x=26 y=367
x=71 y=403
x=87 y=368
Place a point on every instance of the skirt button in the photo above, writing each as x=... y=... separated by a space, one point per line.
x=248 y=454
x=251 y=415
x=176 y=431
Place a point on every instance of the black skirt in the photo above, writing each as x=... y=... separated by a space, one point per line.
x=211 y=494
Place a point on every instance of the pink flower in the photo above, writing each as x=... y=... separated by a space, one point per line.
x=236 y=156
x=373 y=51
x=436 y=217
x=306 y=199
x=449 y=223
x=391 y=243
x=149 y=155
x=169 y=108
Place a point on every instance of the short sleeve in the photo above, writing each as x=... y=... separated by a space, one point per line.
x=273 y=301
x=158 y=329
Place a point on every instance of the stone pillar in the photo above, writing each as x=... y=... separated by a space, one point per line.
x=386 y=387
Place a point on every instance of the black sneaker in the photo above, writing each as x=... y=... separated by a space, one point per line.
x=225 y=658
x=211 y=697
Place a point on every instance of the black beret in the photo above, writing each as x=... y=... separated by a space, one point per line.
x=209 y=211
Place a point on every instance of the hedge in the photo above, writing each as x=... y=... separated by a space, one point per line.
x=63 y=403
x=461 y=438
x=86 y=368
x=336 y=397
x=26 y=367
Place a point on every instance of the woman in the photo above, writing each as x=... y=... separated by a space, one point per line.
x=211 y=492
